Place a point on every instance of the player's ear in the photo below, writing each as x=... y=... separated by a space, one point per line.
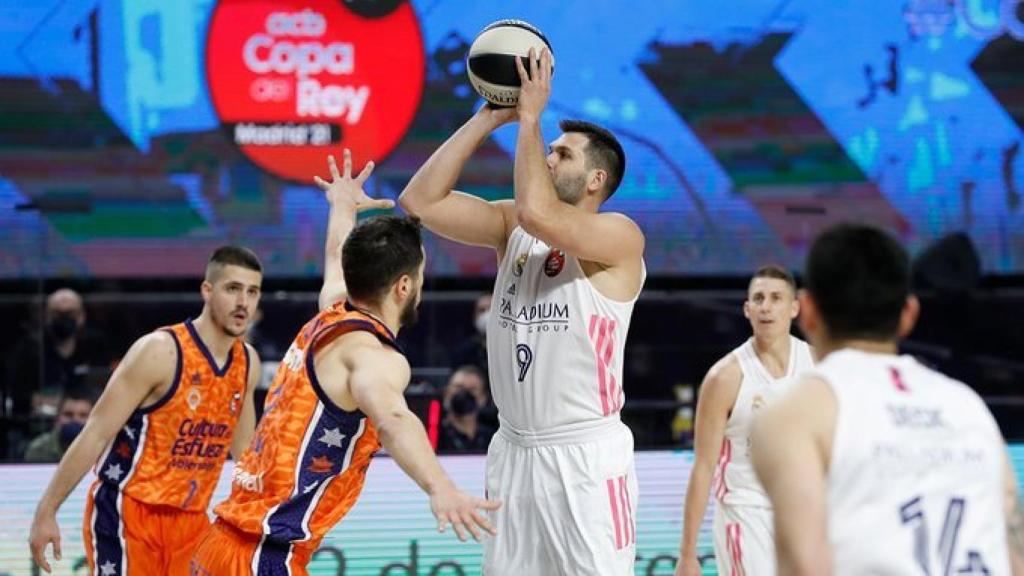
x=908 y=316
x=404 y=287
x=810 y=318
x=597 y=179
x=206 y=289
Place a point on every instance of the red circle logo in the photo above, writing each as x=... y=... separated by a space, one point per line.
x=292 y=81
x=554 y=263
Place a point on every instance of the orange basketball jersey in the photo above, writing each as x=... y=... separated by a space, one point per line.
x=168 y=456
x=307 y=463
x=171 y=453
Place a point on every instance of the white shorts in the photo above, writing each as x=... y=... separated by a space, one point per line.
x=744 y=545
x=567 y=509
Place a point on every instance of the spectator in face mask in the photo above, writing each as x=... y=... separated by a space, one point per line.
x=464 y=397
x=58 y=358
x=473 y=350
x=72 y=412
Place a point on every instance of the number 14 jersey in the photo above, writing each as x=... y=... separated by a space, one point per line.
x=916 y=476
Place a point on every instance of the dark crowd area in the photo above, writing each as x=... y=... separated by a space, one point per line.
x=64 y=339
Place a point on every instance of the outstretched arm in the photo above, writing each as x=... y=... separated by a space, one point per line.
x=378 y=380
x=146 y=367
x=456 y=215
x=346 y=198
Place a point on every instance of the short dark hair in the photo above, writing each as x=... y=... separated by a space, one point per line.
x=378 y=252
x=76 y=393
x=603 y=151
x=859 y=278
x=232 y=256
x=471 y=369
x=775 y=271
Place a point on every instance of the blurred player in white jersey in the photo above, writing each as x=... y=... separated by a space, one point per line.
x=736 y=387
x=874 y=463
x=562 y=461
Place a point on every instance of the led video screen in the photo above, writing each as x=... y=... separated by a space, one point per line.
x=130 y=129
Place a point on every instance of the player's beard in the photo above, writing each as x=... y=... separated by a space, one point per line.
x=569 y=188
x=225 y=325
x=410 y=313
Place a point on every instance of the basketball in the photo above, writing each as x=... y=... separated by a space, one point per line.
x=491 y=62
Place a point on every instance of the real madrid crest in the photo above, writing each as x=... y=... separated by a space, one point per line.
x=757 y=403
x=520 y=262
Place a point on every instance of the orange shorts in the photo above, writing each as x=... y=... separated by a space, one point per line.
x=138 y=539
x=227 y=551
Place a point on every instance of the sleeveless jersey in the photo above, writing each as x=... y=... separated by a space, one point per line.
x=171 y=453
x=308 y=459
x=916 y=474
x=554 y=343
x=735 y=482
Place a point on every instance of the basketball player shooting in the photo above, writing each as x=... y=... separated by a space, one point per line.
x=562 y=461
x=734 y=390
x=874 y=463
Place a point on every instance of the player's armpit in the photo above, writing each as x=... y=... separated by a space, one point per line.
x=790 y=446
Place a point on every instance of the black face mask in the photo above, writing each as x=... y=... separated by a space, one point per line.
x=63 y=327
x=68 y=432
x=463 y=403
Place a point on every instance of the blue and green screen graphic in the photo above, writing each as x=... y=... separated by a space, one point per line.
x=748 y=126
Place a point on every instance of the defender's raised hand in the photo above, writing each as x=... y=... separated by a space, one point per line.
x=345 y=189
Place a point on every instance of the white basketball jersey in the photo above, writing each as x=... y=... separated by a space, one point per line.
x=735 y=482
x=554 y=343
x=916 y=476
